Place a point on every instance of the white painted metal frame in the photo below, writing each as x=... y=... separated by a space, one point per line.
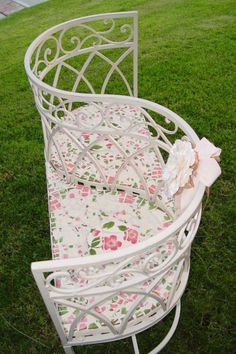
x=104 y=273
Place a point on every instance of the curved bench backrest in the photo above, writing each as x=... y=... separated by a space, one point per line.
x=87 y=54
x=98 y=139
x=104 y=144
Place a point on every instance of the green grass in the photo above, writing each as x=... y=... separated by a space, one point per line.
x=187 y=63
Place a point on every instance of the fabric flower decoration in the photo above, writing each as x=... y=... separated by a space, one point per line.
x=179 y=167
x=186 y=163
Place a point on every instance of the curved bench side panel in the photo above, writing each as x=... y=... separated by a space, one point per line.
x=82 y=296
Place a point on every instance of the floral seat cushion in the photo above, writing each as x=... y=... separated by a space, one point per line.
x=88 y=221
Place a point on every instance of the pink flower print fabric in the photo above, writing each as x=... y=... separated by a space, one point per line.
x=105 y=151
x=86 y=221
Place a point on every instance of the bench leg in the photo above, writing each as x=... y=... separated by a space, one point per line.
x=135 y=345
x=167 y=338
x=68 y=349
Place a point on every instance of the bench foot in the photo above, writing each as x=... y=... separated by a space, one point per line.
x=68 y=349
x=167 y=338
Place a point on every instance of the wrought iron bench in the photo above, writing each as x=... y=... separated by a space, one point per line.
x=120 y=240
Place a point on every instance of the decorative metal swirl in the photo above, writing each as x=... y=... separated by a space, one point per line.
x=127 y=276
x=138 y=275
x=57 y=46
x=109 y=127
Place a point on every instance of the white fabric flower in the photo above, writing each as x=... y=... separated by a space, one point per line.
x=179 y=166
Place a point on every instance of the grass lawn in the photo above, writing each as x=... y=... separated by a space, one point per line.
x=186 y=62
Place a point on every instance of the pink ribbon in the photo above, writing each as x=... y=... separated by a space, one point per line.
x=208 y=169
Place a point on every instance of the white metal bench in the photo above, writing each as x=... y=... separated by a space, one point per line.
x=120 y=245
